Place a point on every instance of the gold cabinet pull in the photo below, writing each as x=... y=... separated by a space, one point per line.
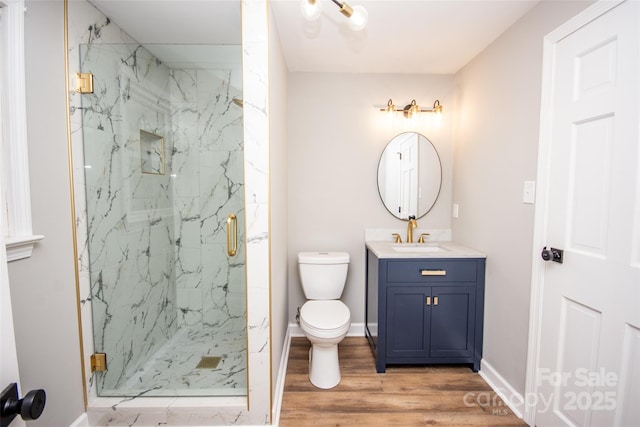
x=433 y=272
x=428 y=300
x=435 y=300
x=232 y=228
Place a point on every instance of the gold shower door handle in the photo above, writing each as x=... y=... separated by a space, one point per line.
x=232 y=228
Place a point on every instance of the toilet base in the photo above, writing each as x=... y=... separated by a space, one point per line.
x=324 y=367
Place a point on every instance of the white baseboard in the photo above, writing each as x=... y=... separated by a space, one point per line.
x=355 y=330
x=510 y=396
x=81 y=421
x=282 y=372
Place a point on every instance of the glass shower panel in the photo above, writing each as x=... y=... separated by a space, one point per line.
x=163 y=169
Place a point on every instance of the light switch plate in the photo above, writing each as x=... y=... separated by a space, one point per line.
x=455 y=210
x=529 y=192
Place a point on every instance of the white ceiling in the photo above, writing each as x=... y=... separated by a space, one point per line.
x=402 y=36
x=176 y=21
x=182 y=33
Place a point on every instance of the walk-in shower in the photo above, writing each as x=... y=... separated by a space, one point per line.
x=163 y=171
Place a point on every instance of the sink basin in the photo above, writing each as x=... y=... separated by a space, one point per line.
x=418 y=249
x=385 y=249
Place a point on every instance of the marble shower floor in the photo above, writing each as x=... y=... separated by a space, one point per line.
x=172 y=371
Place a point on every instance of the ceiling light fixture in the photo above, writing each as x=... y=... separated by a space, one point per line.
x=357 y=15
x=411 y=110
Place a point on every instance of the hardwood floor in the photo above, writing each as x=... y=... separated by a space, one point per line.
x=404 y=396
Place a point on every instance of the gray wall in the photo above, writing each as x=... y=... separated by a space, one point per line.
x=336 y=136
x=496 y=145
x=43 y=286
x=278 y=197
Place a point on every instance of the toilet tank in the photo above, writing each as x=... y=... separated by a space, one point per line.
x=323 y=274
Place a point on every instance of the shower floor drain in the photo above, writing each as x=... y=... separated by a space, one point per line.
x=209 y=362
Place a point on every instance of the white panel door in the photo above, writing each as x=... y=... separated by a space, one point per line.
x=8 y=356
x=409 y=155
x=589 y=360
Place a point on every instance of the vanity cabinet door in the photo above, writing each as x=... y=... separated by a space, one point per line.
x=453 y=311
x=407 y=321
x=430 y=321
x=423 y=311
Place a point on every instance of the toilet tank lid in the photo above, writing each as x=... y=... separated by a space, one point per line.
x=323 y=258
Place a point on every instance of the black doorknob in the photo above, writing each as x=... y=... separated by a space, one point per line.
x=32 y=404
x=30 y=407
x=552 y=254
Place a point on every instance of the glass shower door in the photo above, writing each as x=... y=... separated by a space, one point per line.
x=163 y=171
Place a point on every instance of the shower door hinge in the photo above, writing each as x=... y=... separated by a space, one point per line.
x=98 y=362
x=84 y=82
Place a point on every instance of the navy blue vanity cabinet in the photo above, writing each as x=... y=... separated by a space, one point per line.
x=425 y=310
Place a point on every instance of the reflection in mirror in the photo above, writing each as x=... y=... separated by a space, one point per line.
x=409 y=175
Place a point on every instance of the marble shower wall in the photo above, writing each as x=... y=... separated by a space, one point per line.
x=163 y=170
x=130 y=204
x=208 y=186
x=86 y=25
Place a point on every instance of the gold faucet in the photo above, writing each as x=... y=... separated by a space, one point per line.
x=412 y=224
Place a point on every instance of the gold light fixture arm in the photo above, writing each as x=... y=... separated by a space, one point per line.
x=357 y=15
x=437 y=108
x=345 y=9
x=390 y=107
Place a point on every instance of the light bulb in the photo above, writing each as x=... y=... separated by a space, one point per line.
x=359 y=18
x=390 y=107
x=438 y=119
x=413 y=109
x=437 y=110
x=310 y=9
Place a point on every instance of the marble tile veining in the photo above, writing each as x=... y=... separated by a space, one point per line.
x=163 y=168
x=129 y=212
x=185 y=124
x=172 y=371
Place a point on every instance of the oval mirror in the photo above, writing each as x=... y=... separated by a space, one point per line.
x=409 y=175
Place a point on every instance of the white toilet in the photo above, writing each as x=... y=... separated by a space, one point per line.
x=324 y=319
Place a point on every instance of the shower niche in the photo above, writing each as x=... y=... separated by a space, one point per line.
x=151 y=153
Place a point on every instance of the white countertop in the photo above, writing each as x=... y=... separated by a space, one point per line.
x=448 y=250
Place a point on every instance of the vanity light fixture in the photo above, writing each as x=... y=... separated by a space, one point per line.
x=390 y=107
x=357 y=15
x=411 y=110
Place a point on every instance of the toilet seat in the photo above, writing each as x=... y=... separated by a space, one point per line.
x=325 y=318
